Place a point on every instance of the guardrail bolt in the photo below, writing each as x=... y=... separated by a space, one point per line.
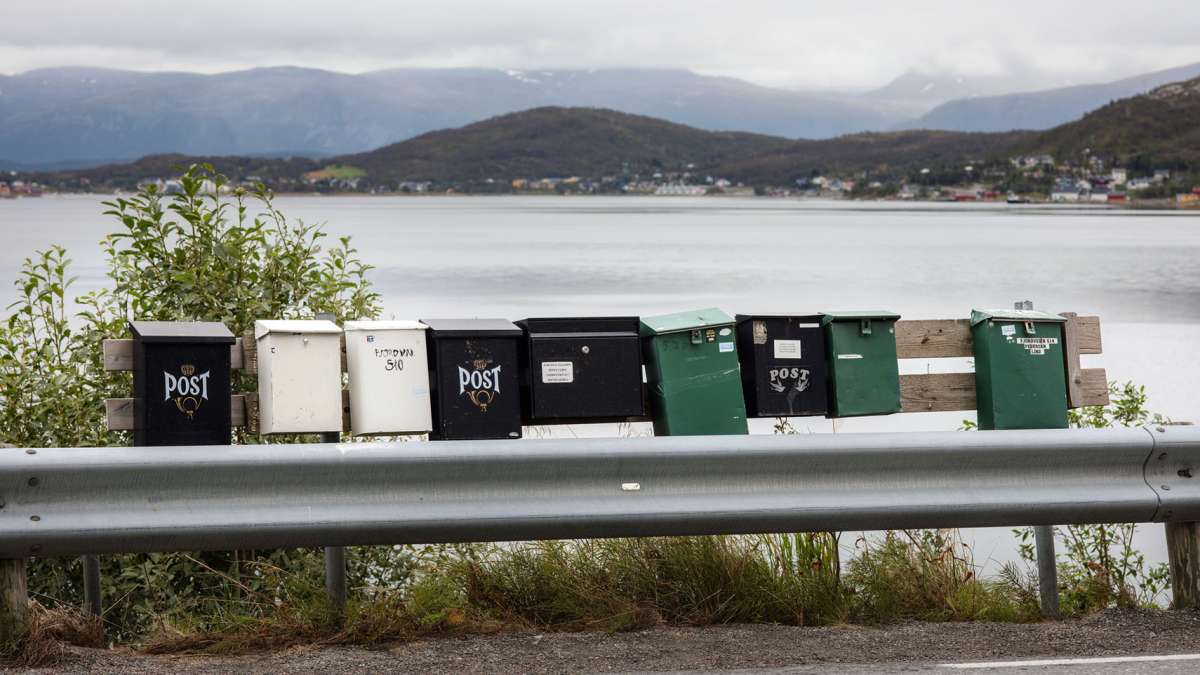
x=1183 y=473
x=1161 y=430
x=31 y=451
x=1162 y=457
x=35 y=518
x=1166 y=488
x=33 y=482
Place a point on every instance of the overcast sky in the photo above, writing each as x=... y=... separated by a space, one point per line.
x=794 y=43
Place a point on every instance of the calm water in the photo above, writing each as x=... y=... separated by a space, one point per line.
x=525 y=256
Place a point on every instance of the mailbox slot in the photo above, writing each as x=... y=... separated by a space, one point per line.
x=181 y=383
x=581 y=370
x=299 y=376
x=388 y=367
x=783 y=364
x=474 y=377
x=864 y=373
x=693 y=374
x=1020 y=369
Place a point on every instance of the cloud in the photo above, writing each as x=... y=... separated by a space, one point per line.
x=797 y=43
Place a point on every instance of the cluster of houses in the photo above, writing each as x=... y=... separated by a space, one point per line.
x=19 y=188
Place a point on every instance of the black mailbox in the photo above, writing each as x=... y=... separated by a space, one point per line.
x=783 y=365
x=582 y=369
x=181 y=383
x=474 y=378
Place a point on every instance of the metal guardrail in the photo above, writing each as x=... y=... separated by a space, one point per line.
x=101 y=500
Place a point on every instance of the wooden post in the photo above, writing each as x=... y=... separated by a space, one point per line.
x=1183 y=555
x=14 y=603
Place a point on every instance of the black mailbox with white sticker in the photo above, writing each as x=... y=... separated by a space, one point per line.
x=783 y=364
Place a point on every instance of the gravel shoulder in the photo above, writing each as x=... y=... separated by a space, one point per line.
x=1110 y=633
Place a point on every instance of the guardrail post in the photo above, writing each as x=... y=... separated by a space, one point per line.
x=1047 y=561
x=14 y=603
x=335 y=556
x=1183 y=555
x=93 y=601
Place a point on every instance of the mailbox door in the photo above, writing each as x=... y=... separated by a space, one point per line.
x=389 y=381
x=183 y=391
x=1020 y=376
x=478 y=389
x=300 y=383
x=695 y=386
x=584 y=376
x=783 y=361
x=865 y=375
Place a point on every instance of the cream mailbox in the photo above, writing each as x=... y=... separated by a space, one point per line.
x=299 y=376
x=389 y=377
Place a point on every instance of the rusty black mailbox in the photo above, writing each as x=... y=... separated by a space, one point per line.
x=181 y=383
x=473 y=377
x=582 y=369
x=783 y=364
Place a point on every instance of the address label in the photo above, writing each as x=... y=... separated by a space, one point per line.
x=725 y=347
x=558 y=372
x=850 y=356
x=787 y=349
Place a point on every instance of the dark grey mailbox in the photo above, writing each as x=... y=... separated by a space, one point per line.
x=473 y=377
x=783 y=364
x=582 y=369
x=181 y=383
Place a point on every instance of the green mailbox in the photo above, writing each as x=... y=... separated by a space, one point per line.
x=864 y=374
x=693 y=373
x=1020 y=371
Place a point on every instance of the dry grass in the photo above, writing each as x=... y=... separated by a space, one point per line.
x=51 y=630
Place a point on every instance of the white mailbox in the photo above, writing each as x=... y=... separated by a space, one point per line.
x=299 y=376
x=389 y=377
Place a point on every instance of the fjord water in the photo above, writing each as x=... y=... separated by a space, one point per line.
x=543 y=256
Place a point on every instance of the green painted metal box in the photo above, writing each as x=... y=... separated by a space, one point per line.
x=693 y=373
x=864 y=374
x=1020 y=369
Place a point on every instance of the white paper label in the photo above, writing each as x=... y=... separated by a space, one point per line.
x=787 y=349
x=558 y=372
x=1008 y=330
x=850 y=356
x=725 y=346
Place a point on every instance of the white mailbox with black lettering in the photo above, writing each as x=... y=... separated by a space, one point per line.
x=299 y=376
x=389 y=377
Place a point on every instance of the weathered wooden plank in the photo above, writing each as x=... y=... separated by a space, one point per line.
x=942 y=392
x=946 y=338
x=249 y=354
x=14 y=604
x=118 y=412
x=118 y=355
x=937 y=392
x=1071 y=355
x=1183 y=557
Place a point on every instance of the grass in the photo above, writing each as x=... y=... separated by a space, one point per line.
x=627 y=584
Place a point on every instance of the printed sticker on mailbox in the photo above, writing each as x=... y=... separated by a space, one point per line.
x=558 y=372
x=787 y=349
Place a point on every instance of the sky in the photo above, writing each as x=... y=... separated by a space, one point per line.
x=796 y=44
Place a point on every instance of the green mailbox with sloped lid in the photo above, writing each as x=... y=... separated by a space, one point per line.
x=1020 y=369
x=692 y=370
x=864 y=374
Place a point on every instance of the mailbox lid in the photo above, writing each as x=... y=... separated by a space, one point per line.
x=193 y=332
x=864 y=373
x=383 y=325
x=665 y=324
x=263 y=328
x=784 y=372
x=1020 y=369
x=583 y=369
x=457 y=328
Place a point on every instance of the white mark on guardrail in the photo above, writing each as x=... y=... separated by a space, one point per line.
x=631 y=487
x=979 y=665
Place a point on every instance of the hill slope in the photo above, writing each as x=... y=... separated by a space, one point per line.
x=91 y=115
x=1042 y=109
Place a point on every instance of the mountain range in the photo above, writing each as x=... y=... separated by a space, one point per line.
x=64 y=117
x=1160 y=129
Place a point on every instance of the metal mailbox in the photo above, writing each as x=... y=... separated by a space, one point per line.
x=299 y=376
x=1020 y=369
x=389 y=377
x=693 y=373
x=582 y=369
x=181 y=383
x=783 y=364
x=474 y=378
x=864 y=373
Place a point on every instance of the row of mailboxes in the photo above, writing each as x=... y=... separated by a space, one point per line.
x=704 y=373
